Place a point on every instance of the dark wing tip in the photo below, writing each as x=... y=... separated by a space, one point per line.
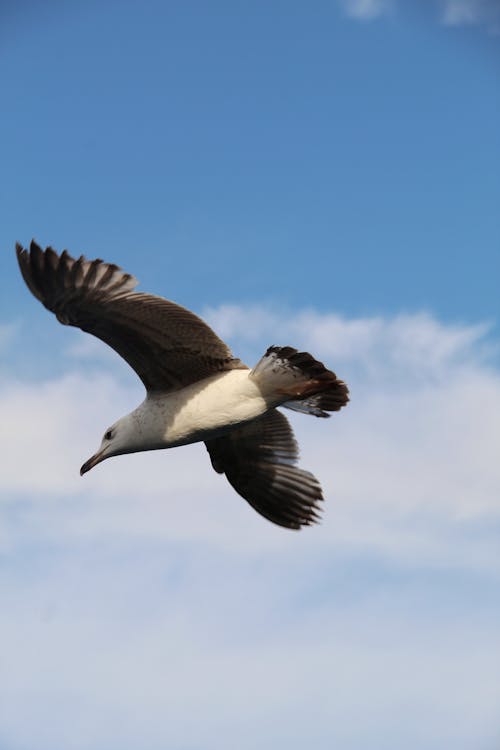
x=28 y=261
x=259 y=459
x=55 y=278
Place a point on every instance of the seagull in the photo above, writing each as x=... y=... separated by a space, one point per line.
x=196 y=390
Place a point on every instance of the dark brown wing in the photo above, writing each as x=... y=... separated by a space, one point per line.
x=258 y=459
x=168 y=346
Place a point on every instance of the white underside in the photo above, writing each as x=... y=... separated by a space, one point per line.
x=199 y=411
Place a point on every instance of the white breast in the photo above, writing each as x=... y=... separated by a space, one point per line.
x=202 y=410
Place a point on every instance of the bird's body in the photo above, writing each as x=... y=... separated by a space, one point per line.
x=195 y=389
x=201 y=411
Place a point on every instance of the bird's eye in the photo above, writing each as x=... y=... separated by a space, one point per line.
x=108 y=435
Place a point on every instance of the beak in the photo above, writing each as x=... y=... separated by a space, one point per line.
x=93 y=461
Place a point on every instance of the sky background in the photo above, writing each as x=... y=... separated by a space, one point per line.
x=324 y=175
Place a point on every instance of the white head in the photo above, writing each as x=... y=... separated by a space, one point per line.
x=120 y=438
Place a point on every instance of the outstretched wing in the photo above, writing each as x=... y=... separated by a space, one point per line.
x=168 y=346
x=259 y=459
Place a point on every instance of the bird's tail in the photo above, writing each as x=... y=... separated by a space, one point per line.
x=299 y=382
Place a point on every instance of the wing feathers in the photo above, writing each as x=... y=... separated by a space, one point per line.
x=168 y=346
x=258 y=460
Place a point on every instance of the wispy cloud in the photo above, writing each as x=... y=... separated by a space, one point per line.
x=451 y=12
x=366 y=10
x=425 y=399
x=456 y=12
x=410 y=346
x=148 y=591
x=459 y=12
x=7 y=333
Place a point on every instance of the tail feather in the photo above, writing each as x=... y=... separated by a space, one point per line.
x=302 y=382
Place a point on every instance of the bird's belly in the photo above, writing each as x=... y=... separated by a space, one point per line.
x=207 y=408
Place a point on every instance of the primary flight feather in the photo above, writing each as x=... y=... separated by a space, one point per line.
x=195 y=389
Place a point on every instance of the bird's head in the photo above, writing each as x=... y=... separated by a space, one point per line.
x=116 y=440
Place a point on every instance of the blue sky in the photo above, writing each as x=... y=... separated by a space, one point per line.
x=261 y=131
x=323 y=175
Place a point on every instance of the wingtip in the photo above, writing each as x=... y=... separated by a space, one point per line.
x=35 y=247
x=20 y=253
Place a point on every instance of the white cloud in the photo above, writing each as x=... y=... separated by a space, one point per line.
x=148 y=592
x=404 y=346
x=459 y=12
x=452 y=12
x=7 y=333
x=227 y=655
x=366 y=10
x=422 y=425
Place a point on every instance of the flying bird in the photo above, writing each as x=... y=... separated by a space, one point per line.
x=195 y=389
